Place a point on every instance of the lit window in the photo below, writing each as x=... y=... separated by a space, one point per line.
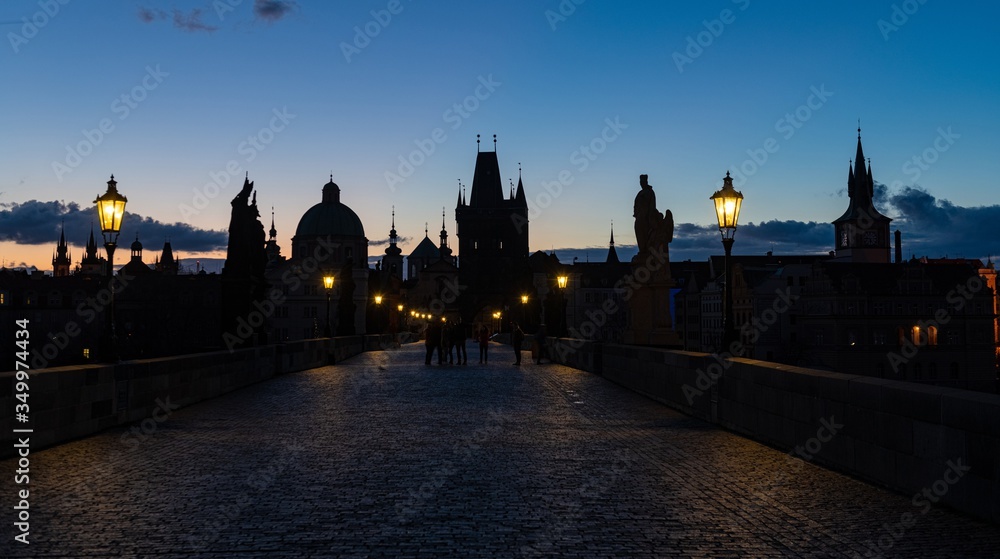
x=932 y=335
x=86 y=353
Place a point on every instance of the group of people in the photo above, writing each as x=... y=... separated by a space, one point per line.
x=449 y=341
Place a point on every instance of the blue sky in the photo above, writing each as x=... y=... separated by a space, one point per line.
x=598 y=91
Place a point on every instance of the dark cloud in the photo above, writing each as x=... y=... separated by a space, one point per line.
x=936 y=227
x=147 y=15
x=385 y=242
x=190 y=22
x=37 y=223
x=273 y=10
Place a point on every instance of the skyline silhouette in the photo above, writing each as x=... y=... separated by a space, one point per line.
x=581 y=100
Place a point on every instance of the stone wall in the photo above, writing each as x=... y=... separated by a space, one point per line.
x=908 y=437
x=67 y=403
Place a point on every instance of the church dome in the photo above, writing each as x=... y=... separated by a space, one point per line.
x=330 y=217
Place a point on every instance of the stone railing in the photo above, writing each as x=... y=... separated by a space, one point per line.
x=67 y=403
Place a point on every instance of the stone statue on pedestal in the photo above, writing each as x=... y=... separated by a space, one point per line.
x=650 y=302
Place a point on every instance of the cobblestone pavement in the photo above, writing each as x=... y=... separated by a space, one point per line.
x=382 y=456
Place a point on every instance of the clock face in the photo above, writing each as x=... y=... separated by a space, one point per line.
x=871 y=238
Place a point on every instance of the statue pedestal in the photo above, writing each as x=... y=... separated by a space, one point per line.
x=651 y=323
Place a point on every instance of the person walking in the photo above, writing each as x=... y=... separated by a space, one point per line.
x=432 y=336
x=458 y=340
x=484 y=344
x=446 y=342
x=517 y=340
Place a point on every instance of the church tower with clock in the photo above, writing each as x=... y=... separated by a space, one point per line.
x=862 y=233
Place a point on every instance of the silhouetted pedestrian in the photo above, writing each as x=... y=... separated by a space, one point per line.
x=458 y=336
x=446 y=343
x=517 y=340
x=433 y=340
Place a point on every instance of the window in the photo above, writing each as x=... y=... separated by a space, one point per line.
x=932 y=334
x=878 y=337
x=3 y=297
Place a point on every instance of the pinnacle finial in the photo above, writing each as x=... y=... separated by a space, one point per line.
x=477 y=143
x=494 y=142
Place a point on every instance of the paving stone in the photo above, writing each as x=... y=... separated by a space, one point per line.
x=382 y=456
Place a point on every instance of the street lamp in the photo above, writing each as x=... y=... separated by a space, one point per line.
x=378 y=313
x=110 y=211
x=524 y=310
x=562 y=282
x=727 y=209
x=328 y=285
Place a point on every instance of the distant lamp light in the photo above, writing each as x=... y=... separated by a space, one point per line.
x=378 y=299
x=328 y=282
x=399 y=308
x=562 y=281
x=524 y=299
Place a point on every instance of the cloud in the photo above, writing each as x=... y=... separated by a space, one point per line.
x=936 y=227
x=190 y=22
x=273 y=10
x=37 y=223
x=385 y=241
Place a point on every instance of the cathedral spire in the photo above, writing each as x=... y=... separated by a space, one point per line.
x=273 y=231
x=612 y=253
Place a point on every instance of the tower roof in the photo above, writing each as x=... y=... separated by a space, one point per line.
x=612 y=253
x=487 y=190
x=860 y=189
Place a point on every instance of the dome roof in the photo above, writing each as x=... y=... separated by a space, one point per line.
x=330 y=217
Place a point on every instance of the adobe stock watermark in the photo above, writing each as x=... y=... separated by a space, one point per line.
x=463 y=452
x=787 y=127
x=696 y=44
x=899 y=17
x=256 y=484
x=454 y=116
x=292 y=279
x=914 y=167
x=562 y=12
x=925 y=331
x=145 y=429
x=122 y=106
x=751 y=331
x=87 y=312
x=30 y=27
x=580 y=159
x=249 y=149
x=364 y=34
x=628 y=285
x=924 y=500
x=601 y=481
x=794 y=462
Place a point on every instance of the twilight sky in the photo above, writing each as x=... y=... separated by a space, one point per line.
x=180 y=98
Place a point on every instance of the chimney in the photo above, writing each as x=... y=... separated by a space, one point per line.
x=899 y=247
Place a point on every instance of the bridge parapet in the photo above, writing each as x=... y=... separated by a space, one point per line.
x=937 y=444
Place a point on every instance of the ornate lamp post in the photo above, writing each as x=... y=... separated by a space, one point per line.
x=110 y=211
x=727 y=209
x=562 y=282
x=328 y=285
x=524 y=310
x=378 y=314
